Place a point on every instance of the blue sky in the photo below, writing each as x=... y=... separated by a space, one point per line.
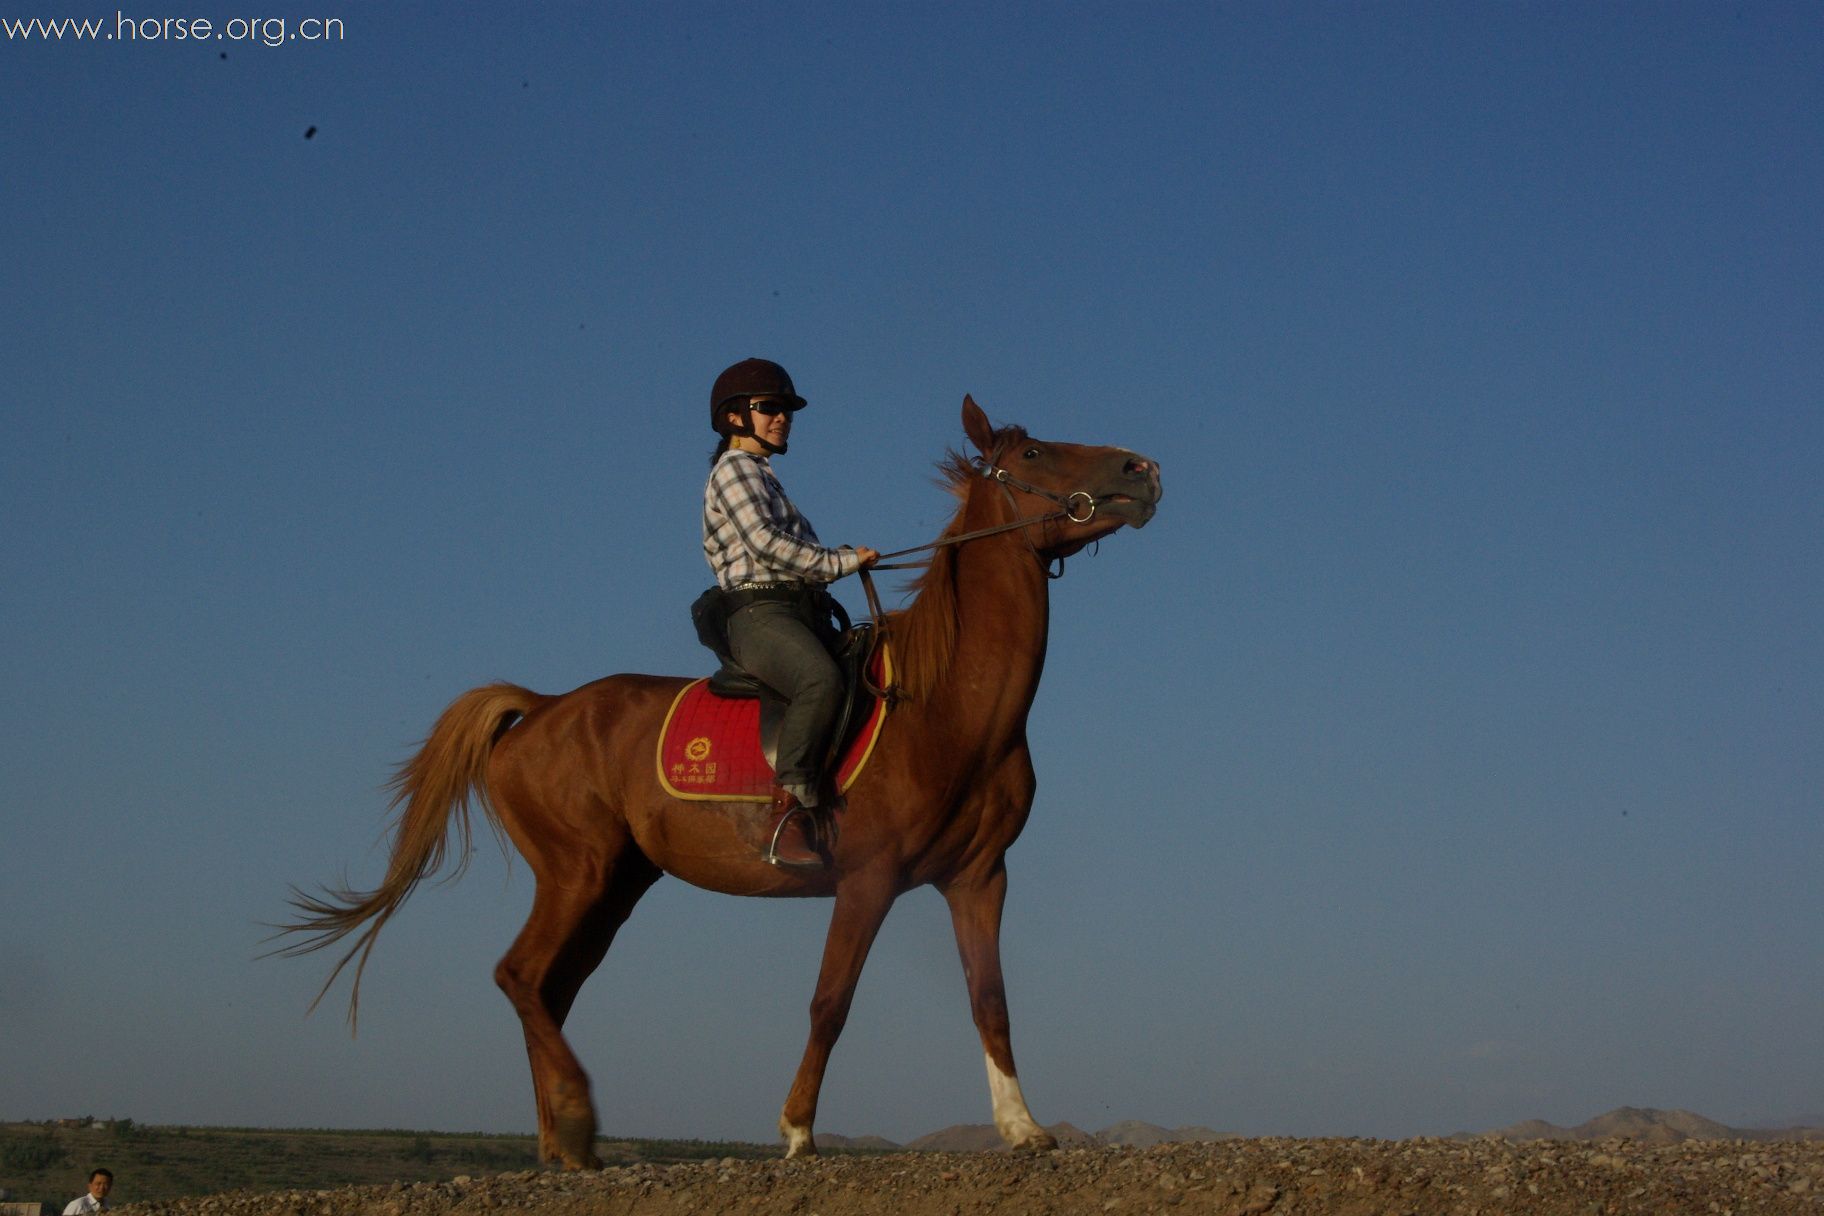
x=1445 y=754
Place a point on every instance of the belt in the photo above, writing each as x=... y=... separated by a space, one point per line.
x=783 y=585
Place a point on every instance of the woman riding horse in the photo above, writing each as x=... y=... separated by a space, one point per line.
x=570 y=780
x=772 y=571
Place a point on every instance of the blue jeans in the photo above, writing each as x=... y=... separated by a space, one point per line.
x=775 y=642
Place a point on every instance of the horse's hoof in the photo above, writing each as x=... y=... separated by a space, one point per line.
x=1041 y=1141
x=798 y=1140
x=575 y=1137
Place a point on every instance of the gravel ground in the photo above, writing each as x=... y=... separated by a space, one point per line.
x=1280 y=1177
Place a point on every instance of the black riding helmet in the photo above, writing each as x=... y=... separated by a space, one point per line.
x=747 y=379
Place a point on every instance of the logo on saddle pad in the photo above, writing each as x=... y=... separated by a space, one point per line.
x=709 y=748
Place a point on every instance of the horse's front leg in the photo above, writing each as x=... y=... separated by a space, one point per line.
x=975 y=912
x=862 y=901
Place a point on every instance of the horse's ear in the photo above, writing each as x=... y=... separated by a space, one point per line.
x=976 y=426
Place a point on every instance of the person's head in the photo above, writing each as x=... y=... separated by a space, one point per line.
x=101 y=1181
x=753 y=400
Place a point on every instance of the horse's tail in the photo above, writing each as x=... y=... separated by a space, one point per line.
x=428 y=791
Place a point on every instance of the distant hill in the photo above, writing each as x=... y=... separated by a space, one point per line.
x=866 y=1144
x=982 y=1138
x=1653 y=1126
x=958 y=1138
x=1136 y=1134
x=1531 y=1129
x=1650 y=1126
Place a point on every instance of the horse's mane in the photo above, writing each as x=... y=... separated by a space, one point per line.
x=924 y=632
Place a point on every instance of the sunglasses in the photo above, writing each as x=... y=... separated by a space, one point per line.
x=770 y=409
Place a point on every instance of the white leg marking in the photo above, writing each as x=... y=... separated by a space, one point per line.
x=1011 y=1118
x=798 y=1142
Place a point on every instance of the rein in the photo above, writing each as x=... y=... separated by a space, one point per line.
x=1066 y=510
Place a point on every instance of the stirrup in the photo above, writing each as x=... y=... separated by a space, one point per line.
x=772 y=844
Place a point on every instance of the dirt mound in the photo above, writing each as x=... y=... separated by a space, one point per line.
x=1228 y=1178
x=1646 y=1125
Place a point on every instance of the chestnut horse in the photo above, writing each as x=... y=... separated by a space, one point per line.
x=571 y=780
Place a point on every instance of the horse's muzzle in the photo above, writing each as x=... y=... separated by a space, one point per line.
x=1133 y=495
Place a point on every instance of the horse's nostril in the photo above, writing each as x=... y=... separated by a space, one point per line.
x=1138 y=465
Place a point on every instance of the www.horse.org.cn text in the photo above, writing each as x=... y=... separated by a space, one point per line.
x=268 y=31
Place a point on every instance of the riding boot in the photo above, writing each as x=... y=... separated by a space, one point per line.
x=789 y=841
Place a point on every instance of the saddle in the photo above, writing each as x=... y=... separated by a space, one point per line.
x=852 y=654
x=720 y=738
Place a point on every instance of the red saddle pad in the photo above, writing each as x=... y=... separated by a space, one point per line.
x=709 y=749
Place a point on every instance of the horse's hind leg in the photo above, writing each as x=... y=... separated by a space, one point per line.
x=572 y=924
x=975 y=912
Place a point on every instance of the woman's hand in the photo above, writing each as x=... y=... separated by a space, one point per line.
x=868 y=556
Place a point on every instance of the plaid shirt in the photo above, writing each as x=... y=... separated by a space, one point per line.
x=753 y=533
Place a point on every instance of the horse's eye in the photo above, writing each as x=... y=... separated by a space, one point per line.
x=1032 y=453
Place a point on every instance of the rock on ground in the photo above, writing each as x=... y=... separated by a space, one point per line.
x=1264 y=1177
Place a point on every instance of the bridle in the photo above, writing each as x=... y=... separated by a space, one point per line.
x=1064 y=501
x=1067 y=508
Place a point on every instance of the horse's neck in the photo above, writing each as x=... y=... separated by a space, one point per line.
x=1003 y=614
x=1003 y=606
